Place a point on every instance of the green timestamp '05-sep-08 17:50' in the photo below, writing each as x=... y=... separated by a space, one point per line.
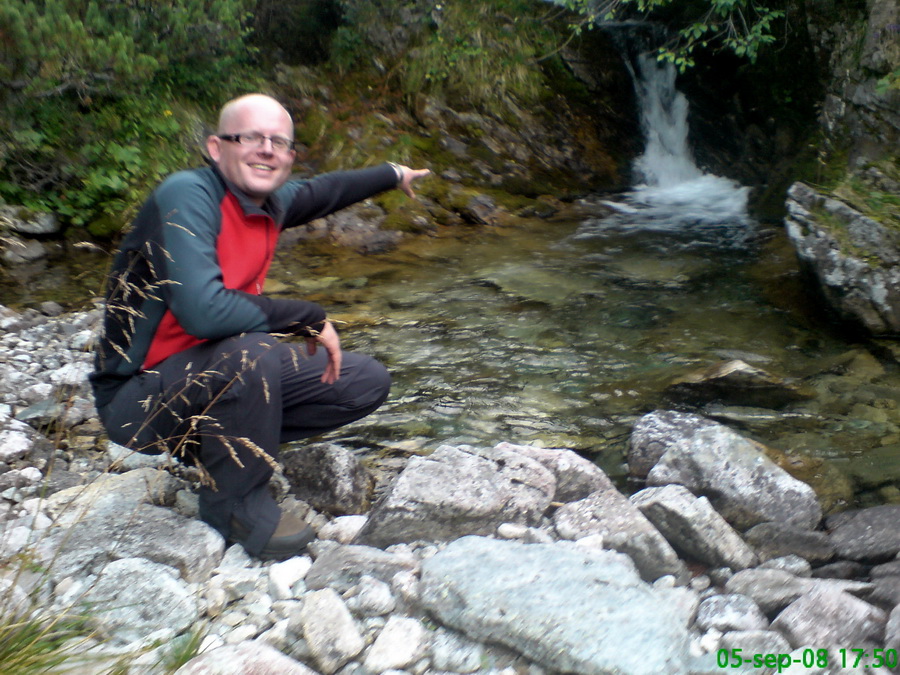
x=808 y=658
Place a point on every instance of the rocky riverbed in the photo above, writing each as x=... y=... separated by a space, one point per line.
x=503 y=559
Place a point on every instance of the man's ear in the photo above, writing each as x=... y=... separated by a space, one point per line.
x=213 y=144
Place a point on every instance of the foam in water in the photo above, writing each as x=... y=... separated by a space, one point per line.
x=670 y=184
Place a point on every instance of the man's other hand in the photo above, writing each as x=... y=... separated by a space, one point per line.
x=329 y=339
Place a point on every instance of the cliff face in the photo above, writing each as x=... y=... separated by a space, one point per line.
x=855 y=53
x=846 y=228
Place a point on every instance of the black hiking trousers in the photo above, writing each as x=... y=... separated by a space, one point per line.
x=229 y=404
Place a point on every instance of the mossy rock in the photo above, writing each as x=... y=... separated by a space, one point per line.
x=832 y=486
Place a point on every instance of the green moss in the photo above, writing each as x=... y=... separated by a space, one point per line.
x=879 y=205
x=312 y=126
x=822 y=165
x=838 y=229
x=511 y=202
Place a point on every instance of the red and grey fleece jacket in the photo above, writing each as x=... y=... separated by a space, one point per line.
x=192 y=267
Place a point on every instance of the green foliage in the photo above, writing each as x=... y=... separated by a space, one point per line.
x=482 y=54
x=93 y=47
x=181 y=650
x=347 y=47
x=889 y=81
x=360 y=36
x=93 y=169
x=35 y=645
x=87 y=118
x=739 y=26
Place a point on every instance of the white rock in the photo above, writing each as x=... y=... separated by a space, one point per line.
x=14 y=444
x=284 y=575
x=512 y=531
x=399 y=645
x=71 y=375
x=343 y=529
x=371 y=597
x=246 y=631
x=329 y=629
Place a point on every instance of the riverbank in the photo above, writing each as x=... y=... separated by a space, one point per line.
x=471 y=561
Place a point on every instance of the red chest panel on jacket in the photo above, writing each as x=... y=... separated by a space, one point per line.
x=244 y=248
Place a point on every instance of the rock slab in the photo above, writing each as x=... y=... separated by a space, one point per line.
x=521 y=596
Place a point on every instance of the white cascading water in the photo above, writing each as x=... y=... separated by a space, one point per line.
x=669 y=184
x=667 y=157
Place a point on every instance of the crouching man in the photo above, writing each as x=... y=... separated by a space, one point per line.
x=190 y=361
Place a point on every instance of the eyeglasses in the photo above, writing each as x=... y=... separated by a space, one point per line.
x=255 y=140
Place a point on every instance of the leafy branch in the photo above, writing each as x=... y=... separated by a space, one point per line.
x=742 y=27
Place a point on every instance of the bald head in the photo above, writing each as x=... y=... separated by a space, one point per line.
x=250 y=106
x=244 y=148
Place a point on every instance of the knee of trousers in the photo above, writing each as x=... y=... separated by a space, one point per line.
x=372 y=386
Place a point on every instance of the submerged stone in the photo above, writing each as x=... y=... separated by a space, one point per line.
x=736 y=383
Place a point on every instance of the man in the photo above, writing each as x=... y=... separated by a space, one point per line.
x=189 y=362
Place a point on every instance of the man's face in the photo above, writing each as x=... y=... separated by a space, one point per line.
x=257 y=170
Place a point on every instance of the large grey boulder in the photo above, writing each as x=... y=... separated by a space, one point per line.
x=867 y=535
x=112 y=493
x=693 y=527
x=653 y=433
x=774 y=589
x=775 y=540
x=116 y=516
x=342 y=567
x=143 y=531
x=328 y=477
x=457 y=491
x=576 y=477
x=624 y=528
x=827 y=616
x=853 y=258
x=25 y=221
x=521 y=596
x=133 y=598
x=892 y=630
x=741 y=482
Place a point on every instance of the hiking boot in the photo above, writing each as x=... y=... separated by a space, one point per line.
x=289 y=539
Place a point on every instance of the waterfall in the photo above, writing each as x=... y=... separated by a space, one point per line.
x=667 y=159
x=668 y=184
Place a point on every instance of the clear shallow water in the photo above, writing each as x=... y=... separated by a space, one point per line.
x=563 y=333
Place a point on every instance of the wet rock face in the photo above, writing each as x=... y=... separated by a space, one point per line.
x=857 y=52
x=852 y=258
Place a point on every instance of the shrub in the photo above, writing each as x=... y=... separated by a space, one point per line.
x=87 y=119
